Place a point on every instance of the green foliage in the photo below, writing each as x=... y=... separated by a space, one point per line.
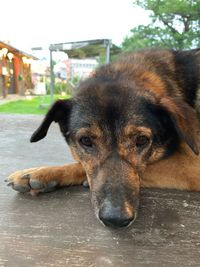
x=174 y=24
x=29 y=106
x=59 y=87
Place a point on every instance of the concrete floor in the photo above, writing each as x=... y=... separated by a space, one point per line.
x=59 y=228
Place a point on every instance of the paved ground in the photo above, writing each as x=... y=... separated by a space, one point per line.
x=59 y=229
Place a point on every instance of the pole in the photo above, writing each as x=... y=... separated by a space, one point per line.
x=51 y=75
x=108 y=45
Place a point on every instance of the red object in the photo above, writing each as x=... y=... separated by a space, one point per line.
x=16 y=66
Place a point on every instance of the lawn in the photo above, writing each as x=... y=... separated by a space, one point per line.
x=32 y=106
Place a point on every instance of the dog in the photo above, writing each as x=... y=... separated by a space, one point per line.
x=133 y=124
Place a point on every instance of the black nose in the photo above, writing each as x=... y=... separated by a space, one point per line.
x=116 y=216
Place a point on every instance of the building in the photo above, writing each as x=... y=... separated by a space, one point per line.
x=81 y=67
x=15 y=70
x=75 y=68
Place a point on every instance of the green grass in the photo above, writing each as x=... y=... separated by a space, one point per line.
x=28 y=106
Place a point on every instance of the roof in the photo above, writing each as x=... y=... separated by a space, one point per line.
x=16 y=50
x=83 y=49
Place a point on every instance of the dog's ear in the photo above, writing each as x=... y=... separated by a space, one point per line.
x=184 y=120
x=59 y=112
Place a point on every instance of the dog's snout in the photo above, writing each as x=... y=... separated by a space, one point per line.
x=116 y=216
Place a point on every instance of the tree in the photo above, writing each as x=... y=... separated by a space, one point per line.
x=174 y=24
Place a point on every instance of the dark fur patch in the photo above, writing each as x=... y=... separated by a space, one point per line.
x=187 y=74
x=59 y=112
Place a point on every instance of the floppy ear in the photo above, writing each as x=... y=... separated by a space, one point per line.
x=184 y=120
x=59 y=112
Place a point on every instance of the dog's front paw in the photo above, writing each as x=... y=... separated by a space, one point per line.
x=31 y=181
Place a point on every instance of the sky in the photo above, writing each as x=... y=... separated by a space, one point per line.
x=32 y=23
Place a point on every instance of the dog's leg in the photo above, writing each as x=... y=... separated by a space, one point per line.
x=180 y=171
x=46 y=179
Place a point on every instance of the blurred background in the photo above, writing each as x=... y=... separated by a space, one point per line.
x=48 y=47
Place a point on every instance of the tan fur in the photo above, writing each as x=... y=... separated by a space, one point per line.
x=126 y=144
x=152 y=82
x=180 y=171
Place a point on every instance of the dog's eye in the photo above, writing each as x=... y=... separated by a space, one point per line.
x=86 y=141
x=141 y=141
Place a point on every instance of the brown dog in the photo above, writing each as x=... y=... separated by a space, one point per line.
x=133 y=124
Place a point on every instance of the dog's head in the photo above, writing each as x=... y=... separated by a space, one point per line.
x=115 y=131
